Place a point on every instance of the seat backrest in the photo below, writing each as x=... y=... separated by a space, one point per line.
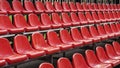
x=34 y=20
x=65 y=36
x=82 y=17
x=93 y=31
x=105 y=6
x=76 y=34
x=53 y=38
x=58 y=6
x=49 y=5
x=21 y=44
x=95 y=16
x=64 y=63
x=113 y=28
x=101 y=30
x=40 y=6
x=65 y=6
x=56 y=18
x=110 y=50
x=5 y=22
x=45 y=19
x=17 y=6
x=46 y=65
x=106 y=16
x=74 y=17
x=38 y=41
x=29 y=6
x=79 y=6
x=116 y=46
x=20 y=21
x=79 y=61
x=95 y=5
x=118 y=26
x=90 y=6
x=89 y=17
x=101 y=16
x=107 y=28
x=66 y=18
x=85 y=32
x=5 y=48
x=111 y=15
x=5 y=6
x=115 y=15
x=91 y=57
x=101 y=54
x=100 y=6
x=73 y=6
x=85 y=6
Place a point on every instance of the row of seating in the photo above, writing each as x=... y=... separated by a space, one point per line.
x=103 y=58
x=34 y=23
x=48 y=7
x=54 y=43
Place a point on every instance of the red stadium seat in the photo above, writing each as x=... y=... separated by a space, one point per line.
x=26 y=47
x=47 y=21
x=79 y=61
x=8 y=54
x=111 y=52
x=106 y=16
x=100 y=7
x=5 y=7
x=86 y=34
x=93 y=60
x=56 y=19
x=114 y=29
x=20 y=22
x=34 y=21
x=73 y=6
x=49 y=6
x=112 y=17
x=77 y=36
x=40 y=43
x=66 y=7
x=2 y=63
x=75 y=18
x=64 y=63
x=96 y=7
x=85 y=6
x=95 y=17
x=82 y=18
x=54 y=40
x=102 y=55
x=91 y=7
x=116 y=16
x=7 y=25
x=116 y=46
x=40 y=6
x=17 y=6
x=101 y=17
x=66 y=38
x=79 y=6
x=46 y=65
x=105 y=7
x=89 y=18
x=58 y=7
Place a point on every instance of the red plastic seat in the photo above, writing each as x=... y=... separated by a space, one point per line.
x=86 y=34
x=5 y=7
x=73 y=6
x=42 y=44
x=47 y=21
x=89 y=18
x=66 y=38
x=100 y=7
x=95 y=17
x=102 y=55
x=82 y=18
x=94 y=32
x=75 y=18
x=20 y=22
x=54 y=40
x=111 y=52
x=109 y=31
x=17 y=6
x=26 y=47
x=114 y=29
x=64 y=63
x=112 y=16
x=35 y=21
x=93 y=60
x=77 y=36
x=46 y=65
x=85 y=6
x=116 y=47
x=109 y=7
x=6 y=24
x=65 y=7
x=105 y=7
x=106 y=16
x=40 y=6
x=67 y=19
x=95 y=5
x=30 y=7
x=91 y=7
x=116 y=16
x=79 y=61
x=101 y=17
x=56 y=19
x=2 y=63
x=58 y=7
x=79 y=6
x=49 y=6
x=8 y=54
